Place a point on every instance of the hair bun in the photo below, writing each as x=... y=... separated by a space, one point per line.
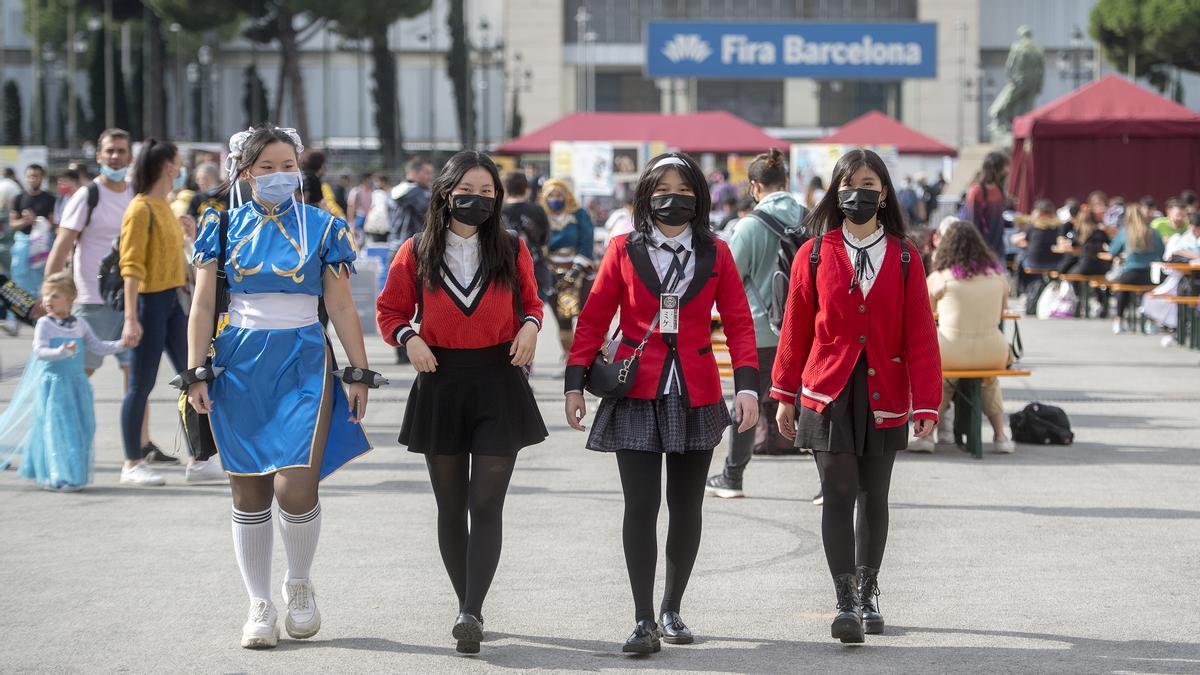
x=774 y=157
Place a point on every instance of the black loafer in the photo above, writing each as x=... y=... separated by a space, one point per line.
x=674 y=630
x=468 y=630
x=644 y=639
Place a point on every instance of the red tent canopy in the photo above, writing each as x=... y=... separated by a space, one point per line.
x=1110 y=135
x=718 y=132
x=876 y=128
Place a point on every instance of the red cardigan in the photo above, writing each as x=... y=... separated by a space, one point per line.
x=627 y=281
x=454 y=317
x=893 y=324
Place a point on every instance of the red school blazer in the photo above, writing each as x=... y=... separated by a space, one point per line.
x=893 y=324
x=627 y=281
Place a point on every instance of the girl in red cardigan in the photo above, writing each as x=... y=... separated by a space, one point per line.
x=859 y=351
x=675 y=408
x=471 y=408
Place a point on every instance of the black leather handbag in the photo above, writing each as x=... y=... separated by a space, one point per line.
x=614 y=379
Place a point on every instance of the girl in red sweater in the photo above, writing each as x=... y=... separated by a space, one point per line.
x=675 y=413
x=858 y=351
x=471 y=409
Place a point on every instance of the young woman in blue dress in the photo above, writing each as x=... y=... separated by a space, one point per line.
x=280 y=418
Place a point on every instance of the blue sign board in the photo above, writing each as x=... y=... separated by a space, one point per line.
x=824 y=51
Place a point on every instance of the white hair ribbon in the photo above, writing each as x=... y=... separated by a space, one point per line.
x=668 y=161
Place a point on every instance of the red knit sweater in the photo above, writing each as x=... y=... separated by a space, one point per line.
x=893 y=324
x=454 y=317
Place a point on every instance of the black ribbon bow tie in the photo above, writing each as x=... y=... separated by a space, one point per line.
x=864 y=269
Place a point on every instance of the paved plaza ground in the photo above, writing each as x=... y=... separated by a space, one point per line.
x=1056 y=559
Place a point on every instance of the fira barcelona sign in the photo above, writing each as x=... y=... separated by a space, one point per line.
x=828 y=51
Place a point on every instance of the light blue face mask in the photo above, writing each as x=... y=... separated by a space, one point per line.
x=181 y=179
x=276 y=188
x=115 y=175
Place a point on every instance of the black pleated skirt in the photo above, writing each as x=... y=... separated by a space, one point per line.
x=847 y=424
x=666 y=424
x=476 y=402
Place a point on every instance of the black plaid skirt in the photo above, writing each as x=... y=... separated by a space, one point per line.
x=847 y=424
x=666 y=424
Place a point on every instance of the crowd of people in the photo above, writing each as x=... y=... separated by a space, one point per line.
x=823 y=298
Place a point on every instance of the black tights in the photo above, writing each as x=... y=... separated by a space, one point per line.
x=474 y=484
x=847 y=479
x=641 y=479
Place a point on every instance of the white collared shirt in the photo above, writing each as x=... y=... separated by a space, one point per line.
x=875 y=253
x=462 y=257
x=662 y=258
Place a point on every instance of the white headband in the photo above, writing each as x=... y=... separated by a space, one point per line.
x=237 y=144
x=668 y=161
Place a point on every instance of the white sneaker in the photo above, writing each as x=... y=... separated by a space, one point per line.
x=303 y=618
x=945 y=428
x=141 y=475
x=921 y=445
x=205 y=472
x=1004 y=446
x=261 y=630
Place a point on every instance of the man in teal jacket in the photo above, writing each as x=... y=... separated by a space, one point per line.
x=755 y=244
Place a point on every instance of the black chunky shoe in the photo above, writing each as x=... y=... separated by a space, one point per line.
x=868 y=593
x=847 y=626
x=644 y=639
x=674 y=630
x=468 y=630
x=724 y=487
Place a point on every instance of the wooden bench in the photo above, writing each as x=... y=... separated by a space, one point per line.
x=1083 y=307
x=1186 y=333
x=1131 y=319
x=968 y=405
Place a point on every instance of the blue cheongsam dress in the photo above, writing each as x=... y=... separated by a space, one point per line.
x=267 y=401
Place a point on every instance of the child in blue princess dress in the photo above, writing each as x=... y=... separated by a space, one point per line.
x=51 y=419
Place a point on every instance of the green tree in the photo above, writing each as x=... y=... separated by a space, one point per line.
x=369 y=20
x=11 y=114
x=458 y=66
x=1148 y=38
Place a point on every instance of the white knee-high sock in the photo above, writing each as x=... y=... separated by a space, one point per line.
x=300 y=534
x=252 y=541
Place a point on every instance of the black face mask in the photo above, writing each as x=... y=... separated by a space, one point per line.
x=473 y=210
x=859 y=204
x=673 y=209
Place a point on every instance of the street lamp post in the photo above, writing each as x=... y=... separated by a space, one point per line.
x=110 y=84
x=489 y=55
x=204 y=57
x=1077 y=64
x=582 y=18
x=177 y=31
x=961 y=27
x=521 y=79
x=431 y=102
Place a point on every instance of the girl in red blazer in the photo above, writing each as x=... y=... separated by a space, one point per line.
x=859 y=352
x=675 y=408
x=471 y=408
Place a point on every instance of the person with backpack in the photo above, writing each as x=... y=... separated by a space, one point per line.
x=410 y=201
x=757 y=243
x=858 y=359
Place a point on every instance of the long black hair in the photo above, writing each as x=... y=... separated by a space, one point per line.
x=992 y=171
x=702 y=236
x=828 y=215
x=497 y=253
x=150 y=162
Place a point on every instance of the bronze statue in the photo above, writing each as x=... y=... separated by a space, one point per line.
x=1025 y=69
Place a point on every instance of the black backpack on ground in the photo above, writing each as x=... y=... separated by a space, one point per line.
x=791 y=238
x=1041 y=424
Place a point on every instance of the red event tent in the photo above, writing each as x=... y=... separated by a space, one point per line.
x=718 y=132
x=876 y=128
x=1110 y=135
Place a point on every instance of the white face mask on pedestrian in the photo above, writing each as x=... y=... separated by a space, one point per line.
x=276 y=188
